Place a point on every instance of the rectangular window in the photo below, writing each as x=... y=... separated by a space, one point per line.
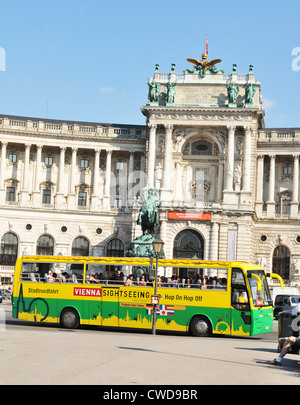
x=12 y=157
x=10 y=193
x=48 y=161
x=286 y=207
x=46 y=196
x=84 y=163
x=82 y=199
x=287 y=170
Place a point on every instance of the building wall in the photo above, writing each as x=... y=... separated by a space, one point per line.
x=202 y=154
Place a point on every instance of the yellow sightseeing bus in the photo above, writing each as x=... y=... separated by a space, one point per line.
x=196 y=296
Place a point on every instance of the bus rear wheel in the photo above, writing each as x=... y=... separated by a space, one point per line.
x=200 y=326
x=69 y=318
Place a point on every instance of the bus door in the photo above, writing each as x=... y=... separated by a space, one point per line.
x=240 y=304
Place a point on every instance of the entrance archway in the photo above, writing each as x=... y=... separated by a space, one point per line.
x=188 y=244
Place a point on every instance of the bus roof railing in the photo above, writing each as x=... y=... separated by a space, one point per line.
x=137 y=261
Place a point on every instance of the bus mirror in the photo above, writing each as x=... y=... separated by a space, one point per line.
x=274 y=275
x=251 y=275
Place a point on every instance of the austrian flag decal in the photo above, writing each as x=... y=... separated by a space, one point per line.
x=87 y=292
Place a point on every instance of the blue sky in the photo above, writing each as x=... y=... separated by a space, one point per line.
x=90 y=60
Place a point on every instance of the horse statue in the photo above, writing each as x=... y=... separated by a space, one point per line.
x=148 y=216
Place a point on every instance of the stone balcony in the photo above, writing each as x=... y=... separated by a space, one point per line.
x=279 y=135
x=81 y=129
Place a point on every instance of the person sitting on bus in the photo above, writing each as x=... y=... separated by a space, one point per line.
x=204 y=283
x=65 y=277
x=49 y=277
x=187 y=283
x=129 y=281
x=143 y=281
x=176 y=282
x=159 y=281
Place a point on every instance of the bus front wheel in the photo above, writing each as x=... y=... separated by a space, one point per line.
x=200 y=326
x=69 y=318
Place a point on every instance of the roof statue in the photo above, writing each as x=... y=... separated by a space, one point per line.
x=202 y=66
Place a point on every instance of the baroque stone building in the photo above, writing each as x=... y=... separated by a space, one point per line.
x=228 y=186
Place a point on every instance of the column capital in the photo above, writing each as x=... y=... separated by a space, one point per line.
x=231 y=128
x=97 y=150
x=296 y=156
x=4 y=143
x=62 y=148
x=27 y=145
x=169 y=127
x=152 y=126
x=39 y=146
x=248 y=129
x=109 y=152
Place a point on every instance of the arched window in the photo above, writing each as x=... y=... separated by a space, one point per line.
x=45 y=245
x=9 y=249
x=115 y=248
x=281 y=262
x=188 y=244
x=80 y=247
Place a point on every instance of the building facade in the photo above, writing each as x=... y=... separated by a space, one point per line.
x=228 y=186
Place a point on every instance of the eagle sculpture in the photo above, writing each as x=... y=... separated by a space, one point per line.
x=204 y=64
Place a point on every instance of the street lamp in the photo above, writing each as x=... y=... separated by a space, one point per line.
x=158 y=245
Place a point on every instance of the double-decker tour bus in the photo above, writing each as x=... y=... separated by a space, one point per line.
x=196 y=296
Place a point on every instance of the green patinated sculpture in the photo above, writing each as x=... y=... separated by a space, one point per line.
x=154 y=91
x=149 y=220
x=232 y=91
x=250 y=89
x=170 y=92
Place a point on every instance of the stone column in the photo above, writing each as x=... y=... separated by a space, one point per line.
x=59 y=198
x=247 y=160
x=165 y=194
x=95 y=195
x=130 y=170
x=259 y=185
x=106 y=197
x=295 y=202
x=151 y=156
x=271 y=201
x=3 y=164
x=36 y=195
x=2 y=172
x=24 y=196
x=26 y=167
x=220 y=180
x=72 y=193
x=214 y=239
x=230 y=160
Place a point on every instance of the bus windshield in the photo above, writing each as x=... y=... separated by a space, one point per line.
x=262 y=297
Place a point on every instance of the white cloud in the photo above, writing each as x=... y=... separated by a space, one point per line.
x=267 y=103
x=106 y=90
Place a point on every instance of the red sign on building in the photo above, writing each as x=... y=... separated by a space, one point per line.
x=196 y=216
